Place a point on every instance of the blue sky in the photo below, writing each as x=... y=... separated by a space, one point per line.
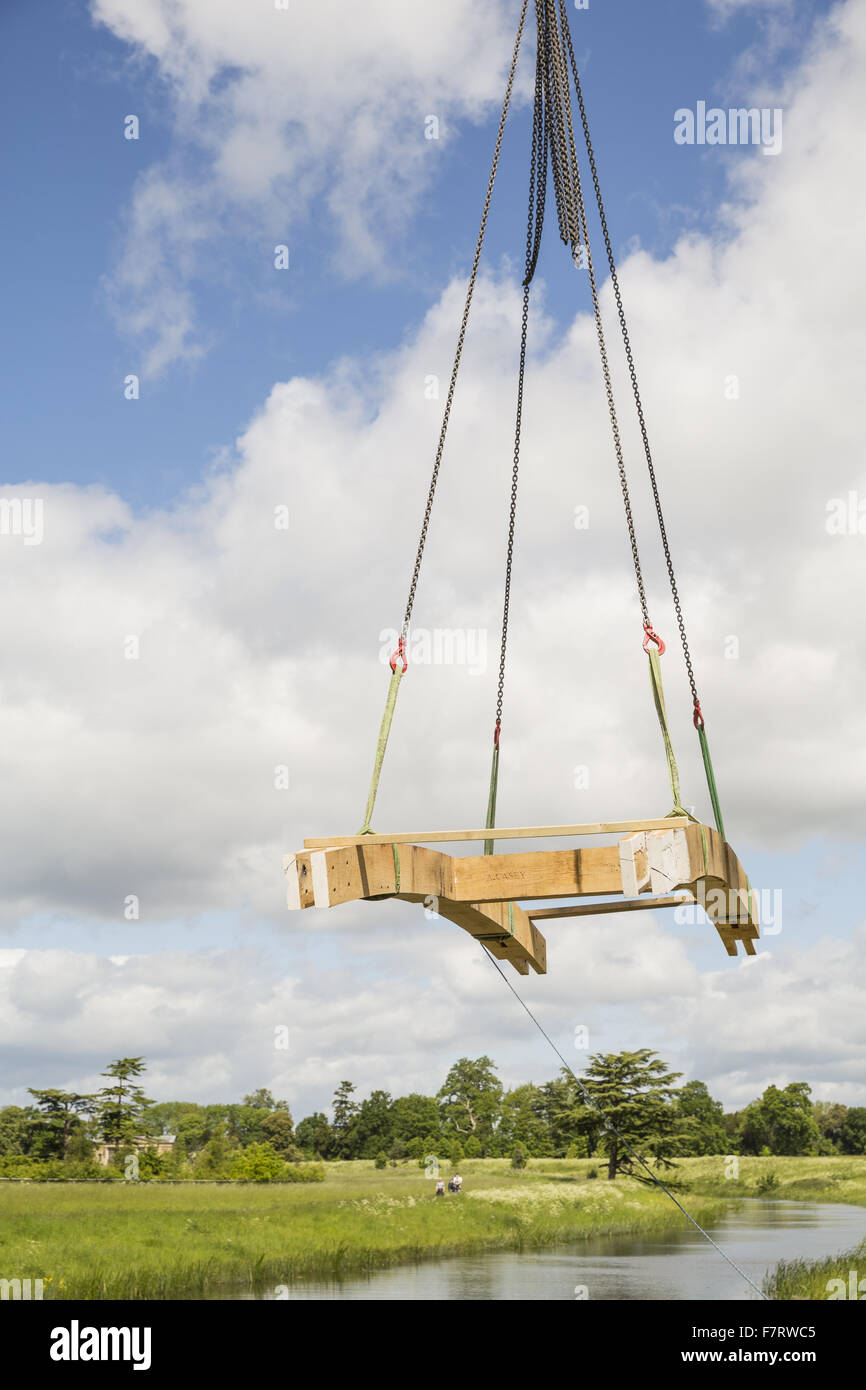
x=155 y=777
x=70 y=176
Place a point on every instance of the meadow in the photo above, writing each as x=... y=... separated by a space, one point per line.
x=175 y=1241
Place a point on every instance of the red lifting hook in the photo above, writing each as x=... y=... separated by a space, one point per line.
x=651 y=636
x=399 y=654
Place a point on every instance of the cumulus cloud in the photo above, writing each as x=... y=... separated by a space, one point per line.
x=273 y=109
x=207 y=1022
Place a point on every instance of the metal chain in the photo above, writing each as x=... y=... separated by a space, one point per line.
x=534 y=225
x=570 y=187
x=631 y=366
x=459 y=352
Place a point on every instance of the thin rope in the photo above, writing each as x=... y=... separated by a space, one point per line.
x=590 y=1100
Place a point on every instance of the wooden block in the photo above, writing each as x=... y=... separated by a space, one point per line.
x=634 y=864
x=670 y=863
x=293 y=890
x=299 y=893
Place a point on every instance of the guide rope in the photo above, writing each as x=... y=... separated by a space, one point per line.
x=590 y=1101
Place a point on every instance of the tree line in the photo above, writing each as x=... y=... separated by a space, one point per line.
x=640 y=1107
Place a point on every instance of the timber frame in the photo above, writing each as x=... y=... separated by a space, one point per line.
x=656 y=864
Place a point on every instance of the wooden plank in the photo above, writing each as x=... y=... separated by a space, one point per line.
x=553 y=873
x=531 y=832
x=586 y=909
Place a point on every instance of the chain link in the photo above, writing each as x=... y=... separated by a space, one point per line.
x=459 y=352
x=553 y=139
x=630 y=361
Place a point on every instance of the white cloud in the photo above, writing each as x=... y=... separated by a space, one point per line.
x=206 y=1022
x=274 y=109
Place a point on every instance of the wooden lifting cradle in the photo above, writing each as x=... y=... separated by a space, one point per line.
x=652 y=863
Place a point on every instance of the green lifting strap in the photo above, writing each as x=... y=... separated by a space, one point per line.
x=659 y=698
x=396 y=868
x=491 y=802
x=384 y=731
x=711 y=780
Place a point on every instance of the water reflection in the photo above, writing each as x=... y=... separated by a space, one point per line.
x=679 y=1265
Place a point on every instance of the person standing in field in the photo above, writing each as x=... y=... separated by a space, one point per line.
x=440 y=1188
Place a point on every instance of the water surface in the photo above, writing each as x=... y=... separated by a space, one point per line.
x=677 y=1265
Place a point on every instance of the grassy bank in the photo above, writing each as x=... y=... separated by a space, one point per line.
x=840 y=1277
x=149 y=1241
x=834 y=1179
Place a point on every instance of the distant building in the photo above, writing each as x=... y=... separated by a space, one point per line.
x=104 y=1152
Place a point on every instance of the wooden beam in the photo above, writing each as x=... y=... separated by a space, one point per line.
x=523 y=832
x=504 y=928
x=586 y=909
x=478 y=892
x=548 y=873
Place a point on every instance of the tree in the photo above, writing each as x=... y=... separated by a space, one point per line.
x=635 y=1092
x=829 y=1116
x=122 y=1103
x=245 y=1123
x=566 y=1116
x=215 y=1158
x=260 y=1100
x=17 y=1128
x=518 y=1156
x=852 y=1135
x=694 y=1103
x=414 y=1117
x=381 y=1159
x=314 y=1136
x=470 y=1100
x=258 y=1163
x=373 y=1126
x=60 y=1114
x=524 y=1122
x=781 y=1121
x=279 y=1132
x=196 y=1125
x=345 y=1111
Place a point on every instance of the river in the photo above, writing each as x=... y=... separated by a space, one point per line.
x=678 y=1265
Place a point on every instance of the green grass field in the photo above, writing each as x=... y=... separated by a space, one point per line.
x=162 y=1241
